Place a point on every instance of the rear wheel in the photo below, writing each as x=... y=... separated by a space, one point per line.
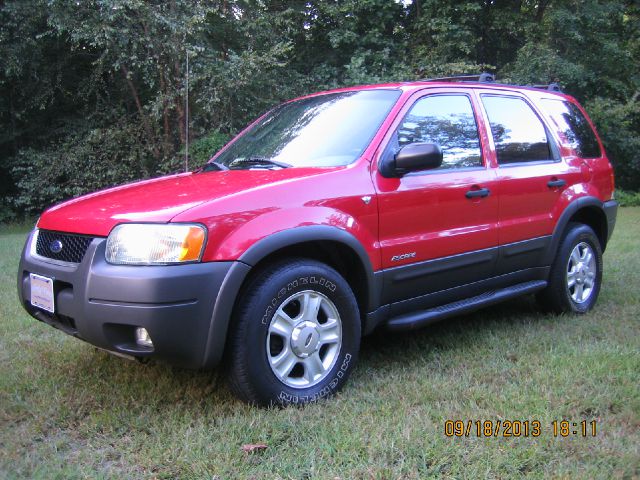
x=295 y=334
x=576 y=274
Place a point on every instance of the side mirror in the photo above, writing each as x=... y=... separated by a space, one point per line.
x=418 y=156
x=411 y=158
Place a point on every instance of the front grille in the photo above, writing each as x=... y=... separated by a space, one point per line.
x=73 y=246
x=61 y=322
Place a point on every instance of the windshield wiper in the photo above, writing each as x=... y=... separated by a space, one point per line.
x=213 y=166
x=259 y=161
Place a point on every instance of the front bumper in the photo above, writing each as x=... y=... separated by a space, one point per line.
x=103 y=304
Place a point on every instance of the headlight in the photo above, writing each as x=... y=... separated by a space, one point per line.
x=149 y=244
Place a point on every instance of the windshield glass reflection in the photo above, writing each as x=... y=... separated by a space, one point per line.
x=321 y=131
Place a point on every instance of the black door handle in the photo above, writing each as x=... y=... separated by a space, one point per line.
x=556 y=183
x=479 y=193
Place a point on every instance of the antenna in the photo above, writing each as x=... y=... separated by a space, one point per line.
x=186 y=121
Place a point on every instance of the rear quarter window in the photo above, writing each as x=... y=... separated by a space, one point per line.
x=574 y=126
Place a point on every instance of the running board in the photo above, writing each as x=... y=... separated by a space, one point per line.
x=414 y=320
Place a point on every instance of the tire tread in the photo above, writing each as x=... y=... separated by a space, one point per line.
x=237 y=351
x=554 y=298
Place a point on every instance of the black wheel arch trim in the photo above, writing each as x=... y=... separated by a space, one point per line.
x=230 y=288
x=314 y=233
x=568 y=213
x=221 y=315
x=611 y=212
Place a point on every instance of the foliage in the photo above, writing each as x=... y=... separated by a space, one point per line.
x=205 y=147
x=618 y=124
x=7 y=212
x=81 y=163
x=628 y=199
x=200 y=151
x=70 y=69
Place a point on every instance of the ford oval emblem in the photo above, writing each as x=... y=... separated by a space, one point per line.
x=55 y=246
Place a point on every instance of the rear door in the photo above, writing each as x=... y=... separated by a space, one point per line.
x=438 y=228
x=531 y=177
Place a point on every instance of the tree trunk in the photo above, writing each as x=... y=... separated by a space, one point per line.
x=179 y=103
x=145 y=120
x=165 y=110
x=542 y=6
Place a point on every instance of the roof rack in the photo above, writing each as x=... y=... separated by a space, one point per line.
x=554 y=87
x=484 y=77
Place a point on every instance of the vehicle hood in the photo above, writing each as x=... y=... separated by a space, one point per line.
x=158 y=200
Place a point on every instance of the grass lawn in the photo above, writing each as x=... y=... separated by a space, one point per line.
x=68 y=410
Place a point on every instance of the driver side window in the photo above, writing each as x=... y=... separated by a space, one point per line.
x=447 y=120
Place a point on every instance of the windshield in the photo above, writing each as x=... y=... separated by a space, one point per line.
x=322 y=131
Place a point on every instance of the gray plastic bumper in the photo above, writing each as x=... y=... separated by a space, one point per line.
x=180 y=305
x=611 y=212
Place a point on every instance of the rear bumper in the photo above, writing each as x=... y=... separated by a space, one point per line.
x=180 y=305
x=611 y=212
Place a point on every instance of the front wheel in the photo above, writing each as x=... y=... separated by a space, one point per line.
x=295 y=335
x=576 y=274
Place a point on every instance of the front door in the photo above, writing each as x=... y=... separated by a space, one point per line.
x=438 y=228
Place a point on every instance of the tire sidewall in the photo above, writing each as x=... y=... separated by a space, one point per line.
x=575 y=236
x=273 y=292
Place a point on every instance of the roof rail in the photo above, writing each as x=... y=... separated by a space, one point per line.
x=484 y=77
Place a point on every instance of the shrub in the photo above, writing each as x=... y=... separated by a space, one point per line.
x=204 y=148
x=200 y=151
x=82 y=163
x=628 y=199
x=618 y=124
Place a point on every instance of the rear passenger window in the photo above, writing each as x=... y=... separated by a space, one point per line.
x=576 y=129
x=518 y=133
x=447 y=120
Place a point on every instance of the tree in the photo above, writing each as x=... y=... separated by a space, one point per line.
x=100 y=84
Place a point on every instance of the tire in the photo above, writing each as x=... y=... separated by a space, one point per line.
x=295 y=334
x=576 y=273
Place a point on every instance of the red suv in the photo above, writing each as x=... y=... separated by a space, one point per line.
x=385 y=206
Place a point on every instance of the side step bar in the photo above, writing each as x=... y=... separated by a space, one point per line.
x=415 y=320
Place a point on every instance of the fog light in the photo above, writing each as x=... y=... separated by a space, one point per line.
x=143 y=338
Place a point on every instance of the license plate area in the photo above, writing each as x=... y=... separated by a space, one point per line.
x=42 y=292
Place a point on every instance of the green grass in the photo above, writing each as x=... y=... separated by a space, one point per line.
x=68 y=410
